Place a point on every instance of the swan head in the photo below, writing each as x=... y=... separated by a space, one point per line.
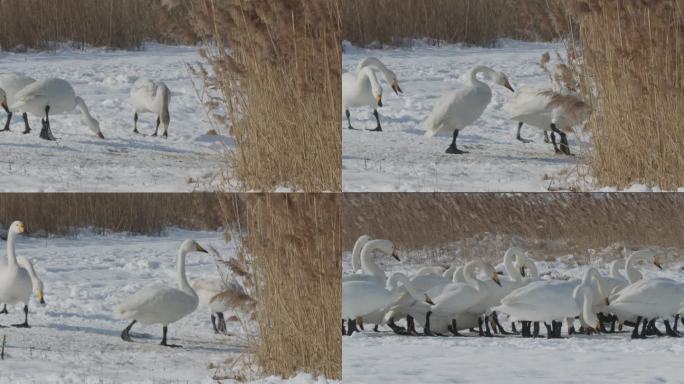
x=394 y=83
x=94 y=126
x=17 y=227
x=3 y=100
x=495 y=277
x=502 y=80
x=192 y=246
x=656 y=262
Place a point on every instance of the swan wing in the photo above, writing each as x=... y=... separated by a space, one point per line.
x=156 y=304
x=457 y=110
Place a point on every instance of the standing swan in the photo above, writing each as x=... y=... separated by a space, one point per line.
x=54 y=96
x=151 y=96
x=11 y=83
x=15 y=280
x=361 y=89
x=459 y=109
x=160 y=304
x=36 y=282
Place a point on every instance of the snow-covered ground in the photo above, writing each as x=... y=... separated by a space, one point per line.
x=78 y=161
x=401 y=158
x=370 y=357
x=75 y=339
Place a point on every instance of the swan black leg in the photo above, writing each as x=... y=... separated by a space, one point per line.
x=45 y=132
x=653 y=330
x=124 y=334
x=454 y=328
x=135 y=122
x=549 y=331
x=669 y=331
x=4 y=310
x=513 y=330
x=452 y=148
x=564 y=146
x=213 y=323
x=163 y=342
x=525 y=332
x=395 y=328
x=546 y=137
x=553 y=140
x=221 y=323
x=676 y=321
x=488 y=331
x=25 y=324
x=377 y=118
x=612 y=324
x=27 y=129
x=497 y=324
x=535 y=330
x=644 y=328
x=7 y=123
x=426 y=328
x=520 y=124
x=410 y=325
x=157 y=129
x=375 y=328
x=349 y=126
x=635 y=330
x=351 y=327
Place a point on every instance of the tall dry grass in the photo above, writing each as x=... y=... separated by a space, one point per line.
x=276 y=66
x=122 y=24
x=294 y=245
x=478 y=22
x=633 y=58
x=64 y=213
x=417 y=221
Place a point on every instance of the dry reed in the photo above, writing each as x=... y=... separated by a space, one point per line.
x=579 y=221
x=478 y=22
x=633 y=58
x=37 y=24
x=293 y=241
x=276 y=66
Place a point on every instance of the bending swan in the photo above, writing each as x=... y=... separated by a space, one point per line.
x=54 y=96
x=361 y=89
x=160 y=304
x=151 y=96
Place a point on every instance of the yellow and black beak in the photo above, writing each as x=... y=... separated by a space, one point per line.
x=378 y=100
x=495 y=277
x=41 y=299
x=22 y=228
x=522 y=271
x=200 y=249
x=508 y=85
x=428 y=299
x=656 y=262
x=396 y=88
x=607 y=301
x=100 y=135
x=396 y=257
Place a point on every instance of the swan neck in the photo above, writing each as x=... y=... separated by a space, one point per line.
x=11 y=257
x=181 y=279
x=615 y=269
x=469 y=275
x=511 y=270
x=587 y=313
x=368 y=264
x=367 y=73
x=472 y=75
x=374 y=62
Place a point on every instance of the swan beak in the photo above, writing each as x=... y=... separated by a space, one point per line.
x=607 y=301
x=508 y=85
x=100 y=135
x=394 y=254
x=428 y=299
x=22 y=228
x=495 y=277
x=41 y=299
x=656 y=262
x=522 y=271
x=200 y=249
x=378 y=100
x=396 y=88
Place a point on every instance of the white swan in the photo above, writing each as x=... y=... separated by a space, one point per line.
x=161 y=304
x=360 y=298
x=218 y=297
x=36 y=282
x=633 y=274
x=153 y=97
x=549 y=111
x=390 y=76
x=371 y=270
x=356 y=251
x=361 y=89
x=457 y=110
x=10 y=84
x=459 y=298
x=15 y=280
x=648 y=300
x=554 y=301
x=52 y=96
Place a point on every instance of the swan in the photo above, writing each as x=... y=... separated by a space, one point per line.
x=36 y=282
x=54 y=96
x=360 y=298
x=153 y=97
x=371 y=270
x=648 y=300
x=161 y=304
x=219 y=296
x=633 y=274
x=390 y=76
x=457 y=110
x=10 y=84
x=553 y=301
x=459 y=298
x=361 y=89
x=549 y=111
x=356 y=252
x=15 y=280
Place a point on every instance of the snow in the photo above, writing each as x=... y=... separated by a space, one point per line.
x=79 y=161
x=74 y=338
x=370 y=357
x=401 y=158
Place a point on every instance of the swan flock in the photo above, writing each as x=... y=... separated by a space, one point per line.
x=155 y=304
x=53 y=96
x=447 y=301
x=555 y=109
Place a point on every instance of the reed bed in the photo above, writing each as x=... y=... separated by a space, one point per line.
x=65 y=213
x=38 y=24
x=633 y=57
x=475 y=22
x=276 y=67
x=294 y=245
x=436 y=222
